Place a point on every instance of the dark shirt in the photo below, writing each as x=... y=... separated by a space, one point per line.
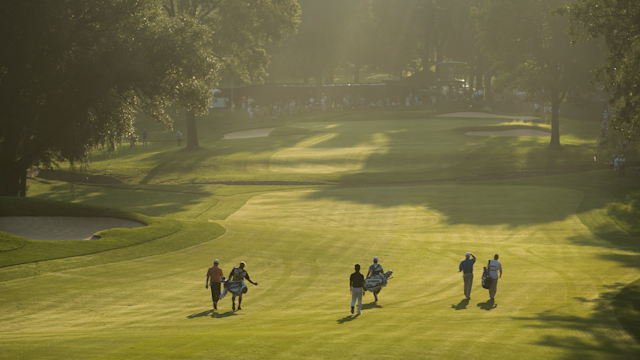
x=357 y=280
x=467 y=265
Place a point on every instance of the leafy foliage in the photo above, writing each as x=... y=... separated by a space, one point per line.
x=73 y=73
x=531 y=50
x=618 y=22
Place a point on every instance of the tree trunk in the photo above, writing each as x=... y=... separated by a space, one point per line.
x=23 y=183
x=356 y=75
x=488 y=92
x=480 y=73
x=427 y=60
x=192 y=131
x=318 y=85
x=10 y=178
x=328 y=78
x=555 y=121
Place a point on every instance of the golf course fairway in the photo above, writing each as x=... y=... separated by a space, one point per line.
x=565 y=249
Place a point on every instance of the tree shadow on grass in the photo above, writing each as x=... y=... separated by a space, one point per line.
x=150 y=202
x=462 y=305
x=212 y=314
x=600 y=324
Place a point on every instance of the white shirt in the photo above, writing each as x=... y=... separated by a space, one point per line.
x=494 y=267
x=375 y=267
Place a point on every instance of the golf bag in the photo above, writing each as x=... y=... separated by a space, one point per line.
x=236 y=288
x=377 y=282
x=486 y=281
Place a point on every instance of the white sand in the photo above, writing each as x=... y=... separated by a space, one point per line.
x=518 y=132
x=471 y=114
x=245 y=134
x=61 y=227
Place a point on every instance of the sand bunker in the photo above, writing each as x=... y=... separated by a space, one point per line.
x=518 y=132
x=61 y=227
x=471 y=114
x=245 y=134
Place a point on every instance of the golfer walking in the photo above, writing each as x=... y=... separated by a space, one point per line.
x=494 y=267
x=466 y=267
x=356 y=285
x=214 y=274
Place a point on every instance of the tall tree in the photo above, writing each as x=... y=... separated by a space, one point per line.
x=74 y=72
x=532 y=51
x=396 y=34
x=618 y=22
x=239 y=30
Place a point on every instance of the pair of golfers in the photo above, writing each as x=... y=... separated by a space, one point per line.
x=214 y=276
x=466 y=267
x=356 y=284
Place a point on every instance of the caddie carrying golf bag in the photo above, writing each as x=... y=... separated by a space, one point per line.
x=236 y=288
x=377 y=282
x=486 y=281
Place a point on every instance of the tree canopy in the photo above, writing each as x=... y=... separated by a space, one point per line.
x=74 y=72
x=618 y=22
x=238 y=32
x=531 y=49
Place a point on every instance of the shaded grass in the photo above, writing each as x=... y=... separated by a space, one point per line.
x=17 y=250
x=625 y=210
x=366 y=146
x=301 y=246
x=626 y=306
x=20 y=250
x=564 y=257
x=182 y=202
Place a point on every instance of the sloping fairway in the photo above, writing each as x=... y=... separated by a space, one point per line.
x=300 y=246
x=564 y=257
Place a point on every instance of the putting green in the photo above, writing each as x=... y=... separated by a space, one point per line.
x=301 y=245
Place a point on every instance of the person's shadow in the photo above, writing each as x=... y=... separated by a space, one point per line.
x=462 y=305
x=212 y=314
x=347 y=318
x=373 y=305
x=488 y=306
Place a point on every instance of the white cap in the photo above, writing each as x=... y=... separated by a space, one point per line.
x=467 y=254
x=375 y=258
x=216 y=261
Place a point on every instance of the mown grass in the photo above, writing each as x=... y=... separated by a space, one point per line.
x=627 y=308
x=564 y=255
x=16 y=250
x=355 y=148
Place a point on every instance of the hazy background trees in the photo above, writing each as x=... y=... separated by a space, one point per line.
x=238 y=32
x=530 y=46
x=618 y=23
